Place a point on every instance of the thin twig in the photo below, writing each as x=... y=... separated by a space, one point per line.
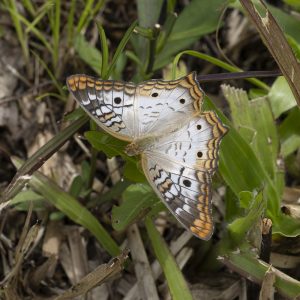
x=237 y=75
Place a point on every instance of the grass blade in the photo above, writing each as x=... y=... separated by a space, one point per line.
x=176 y=282
x=218 y=63
x=104 y=49
x=121 y=46
x=15 y=16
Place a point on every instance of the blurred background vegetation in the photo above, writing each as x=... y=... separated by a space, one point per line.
x=77 y=200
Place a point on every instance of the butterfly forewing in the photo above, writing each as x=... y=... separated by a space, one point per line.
x=109 y=103
x=164 y=105
x=130 y=111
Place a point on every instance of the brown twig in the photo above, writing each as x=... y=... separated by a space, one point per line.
x=277 y=44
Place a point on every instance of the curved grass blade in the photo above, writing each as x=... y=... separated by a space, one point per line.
x=104 y=49
x=216 y=62
x=121 y=47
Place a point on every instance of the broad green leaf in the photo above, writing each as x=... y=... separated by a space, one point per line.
x=138 y=200
x=281 y=97
x=240 y=167
x=245 y=199
x=89 y=54
x=256 y=202
x=294 y=3
x=266 y=144
x=133 y=171
x=254 y=121
x=178 y=287
x=148 y=12
x=289 y=23
x=286 y=226
x=242 y=171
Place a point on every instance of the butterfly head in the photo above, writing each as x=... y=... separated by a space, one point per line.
x=138 y=146
x=132 y=149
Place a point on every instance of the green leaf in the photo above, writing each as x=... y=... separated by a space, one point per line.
x=247 y=263
x=114 y=147
x=138 y=200
x=289 y=131
x=241 y=169
x=76 y=186
x=295 y=46
x=191 y=24
x=133 y=171
x=148 y=12
x=121 y=47
x=245 y=198
x=256 y=124
x=106 y=143
x=256 y=202
x=178 y=287
x=289 y=23
x=23 y=199
x=104 y=48
x=266 y=144
x=281 y=97
x=89 y=54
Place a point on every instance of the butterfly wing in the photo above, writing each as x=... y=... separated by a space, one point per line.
x=165 y=105
x=110 y=103
x=129 y=111
x=180 y=167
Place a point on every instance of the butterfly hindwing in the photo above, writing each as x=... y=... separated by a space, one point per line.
x=196 y=143
x=185 y=191
x=180 y=167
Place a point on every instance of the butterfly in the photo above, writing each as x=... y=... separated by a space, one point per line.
x=164 y=123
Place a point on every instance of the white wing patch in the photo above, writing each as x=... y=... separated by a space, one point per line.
x=109 y=103
x=185 y=191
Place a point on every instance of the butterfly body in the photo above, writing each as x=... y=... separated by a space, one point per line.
x=163 y=122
